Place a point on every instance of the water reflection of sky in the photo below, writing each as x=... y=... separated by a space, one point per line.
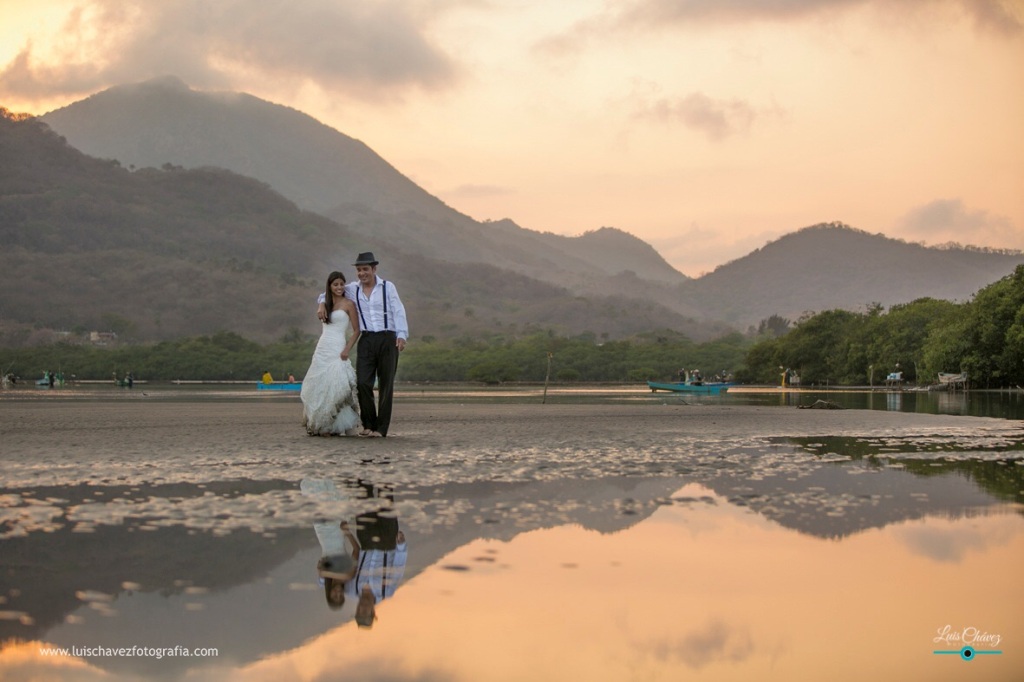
x=773 y=557
x=638 y=580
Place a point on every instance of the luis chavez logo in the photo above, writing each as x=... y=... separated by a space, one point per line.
x=968 y=640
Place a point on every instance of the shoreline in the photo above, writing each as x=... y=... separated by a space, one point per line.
x=582 y=387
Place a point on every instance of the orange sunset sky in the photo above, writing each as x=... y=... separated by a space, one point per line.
x=705 y=127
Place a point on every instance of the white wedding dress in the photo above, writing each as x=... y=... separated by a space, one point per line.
x=329 y=387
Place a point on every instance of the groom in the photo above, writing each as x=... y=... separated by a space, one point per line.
x=384 y=331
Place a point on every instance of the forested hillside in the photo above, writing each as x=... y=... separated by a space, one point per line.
x=164 y=121
x=165 y=253
x=823 y=267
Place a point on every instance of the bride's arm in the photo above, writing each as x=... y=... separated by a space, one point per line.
x=350 y=307
x=321 y=307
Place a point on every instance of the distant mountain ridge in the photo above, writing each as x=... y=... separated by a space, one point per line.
x=193 y=129
x=374 y=207
x=155 y=254
x=832 y=265
x=163 y=121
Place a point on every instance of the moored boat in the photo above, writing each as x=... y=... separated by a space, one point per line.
x=950 y=381
x=279 y=386
x=705 y=387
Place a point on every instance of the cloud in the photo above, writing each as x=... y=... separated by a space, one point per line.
x=715 y=642
x=638 y=17
x=717 y=119
x=996 y=16
x=369 y=50
x=948 y=542
x=948 y=220
x=1000 y=17
x=661 y=11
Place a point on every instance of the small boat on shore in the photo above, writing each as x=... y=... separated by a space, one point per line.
x=693 y=382
x=948 y=381
x=702 y=387
x=279 y=386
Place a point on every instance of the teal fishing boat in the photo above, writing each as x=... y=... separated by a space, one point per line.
x=702 y=387
x=279 y=386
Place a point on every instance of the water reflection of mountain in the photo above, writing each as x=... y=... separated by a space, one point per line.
x=974 y=460
x=246 y=581
x=838 y=499
x=47 y=569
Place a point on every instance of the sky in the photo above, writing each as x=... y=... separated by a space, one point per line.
x=707 y=128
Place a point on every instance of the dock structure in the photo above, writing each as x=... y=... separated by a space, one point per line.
x=894 y=380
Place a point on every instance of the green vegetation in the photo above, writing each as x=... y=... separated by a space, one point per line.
x=222 y=356
x=498 y=359
x=984 y=338
x=228 y=356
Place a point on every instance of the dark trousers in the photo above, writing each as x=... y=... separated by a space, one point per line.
x=377 y=360
x=374 y=530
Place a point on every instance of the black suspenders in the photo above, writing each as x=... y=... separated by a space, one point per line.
x=384 y=293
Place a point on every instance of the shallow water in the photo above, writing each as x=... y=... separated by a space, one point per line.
x=1005 y=404
x=770 y=557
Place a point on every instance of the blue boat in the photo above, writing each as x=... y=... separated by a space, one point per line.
x=700 y=387
x=279 y=386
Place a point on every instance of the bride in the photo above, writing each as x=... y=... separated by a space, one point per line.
x=329 y=387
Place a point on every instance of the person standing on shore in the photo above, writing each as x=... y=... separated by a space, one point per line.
x=329 y=388
x=385 y=331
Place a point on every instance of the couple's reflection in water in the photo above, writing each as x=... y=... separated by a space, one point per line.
x=363 y=558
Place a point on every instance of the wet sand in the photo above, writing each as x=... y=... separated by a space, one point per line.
x=142 y=437
x=141 y=425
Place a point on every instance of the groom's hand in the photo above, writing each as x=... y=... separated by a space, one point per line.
x=321 y=312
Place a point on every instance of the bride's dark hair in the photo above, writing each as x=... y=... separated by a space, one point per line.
x=329 y=296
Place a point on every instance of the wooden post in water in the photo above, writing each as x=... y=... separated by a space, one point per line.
x=547 y=378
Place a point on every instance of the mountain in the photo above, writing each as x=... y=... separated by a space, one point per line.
x=90 y=245
x=832 y=265
x=164 y=253
x=227 y=193
x=163 y=121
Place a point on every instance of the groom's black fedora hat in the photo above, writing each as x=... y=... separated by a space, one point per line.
x=366 y=259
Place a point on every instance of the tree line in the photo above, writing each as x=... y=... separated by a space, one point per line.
x=496 y=359
x=983 y=337
x=223 y=356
